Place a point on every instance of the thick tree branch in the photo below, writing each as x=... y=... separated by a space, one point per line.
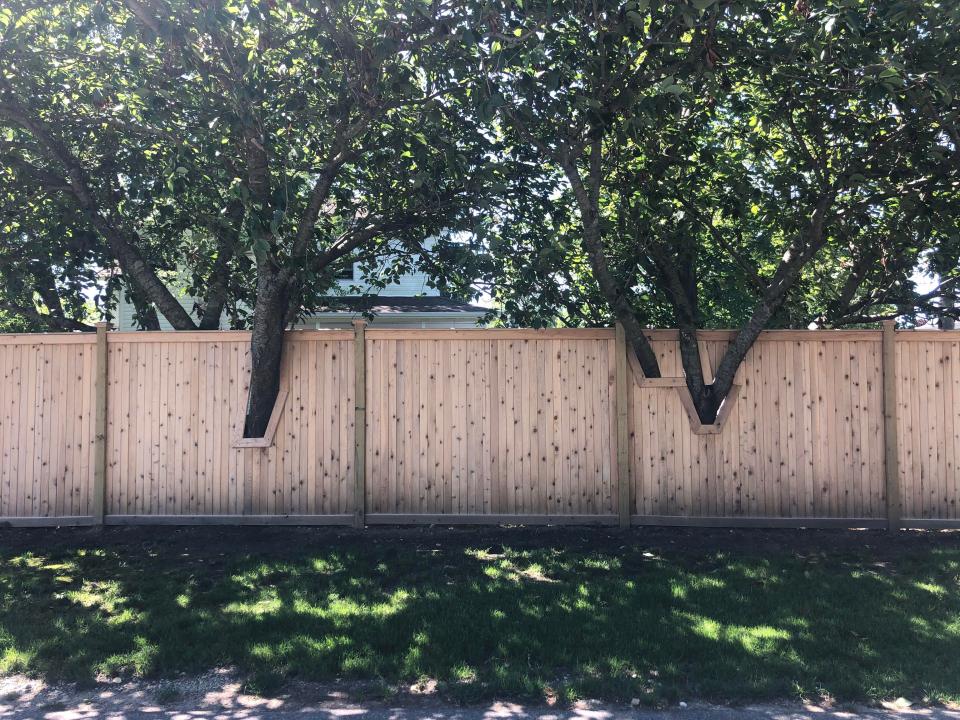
x=789 y=269
x=60 y=323
x=136 y=269
x=218 y=286
x=615 y=295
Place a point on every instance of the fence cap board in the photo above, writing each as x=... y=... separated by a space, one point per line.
x=773 y=335
x=950 y=336
x=374 y=333
x=77 y=338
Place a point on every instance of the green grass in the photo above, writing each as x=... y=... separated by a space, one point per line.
x=573 y=613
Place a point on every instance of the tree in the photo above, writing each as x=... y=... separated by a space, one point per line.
x=191 y=132
x=802 y=149
x=47 y=261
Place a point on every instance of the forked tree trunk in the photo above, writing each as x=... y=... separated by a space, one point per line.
x=707 y=399
x=266 y=349
x=610 y=288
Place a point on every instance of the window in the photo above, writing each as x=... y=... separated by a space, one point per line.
x=345 y=273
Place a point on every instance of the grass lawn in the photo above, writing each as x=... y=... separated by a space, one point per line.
x=654 y=614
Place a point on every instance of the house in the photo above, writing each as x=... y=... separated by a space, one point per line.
x=409 y=302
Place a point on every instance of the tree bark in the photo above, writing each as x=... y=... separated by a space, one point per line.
x=704 y=398
x=218 y=289
x=676 y=274
x=947 y=321
x=774 y=297
x=613 y=293
x=266 y=348
x=147 y=314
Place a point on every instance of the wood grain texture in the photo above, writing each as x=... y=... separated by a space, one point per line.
x=467 y=426
x=47 y=429
x=177 y=408
x=800 y=439
x=482 y=427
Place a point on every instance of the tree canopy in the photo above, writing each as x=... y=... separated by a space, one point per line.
x=694 y=163
x=729 y=163
x=199 y=135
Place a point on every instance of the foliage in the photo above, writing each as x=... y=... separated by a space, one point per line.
x=201 y=135
x=729 y=163
x=693 y=163
x=715 y=160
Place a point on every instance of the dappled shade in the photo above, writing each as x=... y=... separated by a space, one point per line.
x=593 y=614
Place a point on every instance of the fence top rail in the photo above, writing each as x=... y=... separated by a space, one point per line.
x=373 y=333
x=194 y=336
x=928 y=335
x=653 y=334
x=76 y=338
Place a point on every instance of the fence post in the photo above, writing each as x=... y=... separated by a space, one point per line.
x=100 y=426
x=622 y=387
x=890 y=434
x=360 y=423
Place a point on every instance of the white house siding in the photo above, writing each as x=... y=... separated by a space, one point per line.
x=125 y=311
x=410 y=284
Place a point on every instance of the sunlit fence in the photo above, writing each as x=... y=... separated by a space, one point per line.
x=847 y=428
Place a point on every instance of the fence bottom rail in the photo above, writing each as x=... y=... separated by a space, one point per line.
x=347 y=519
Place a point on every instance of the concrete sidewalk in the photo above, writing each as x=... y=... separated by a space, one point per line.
x=218 y=696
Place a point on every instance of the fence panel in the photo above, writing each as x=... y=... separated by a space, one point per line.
x=928 y=417
x=46 y=426
x=804 y=438
x=478 y=426
x=176 y=410
x=472 y=425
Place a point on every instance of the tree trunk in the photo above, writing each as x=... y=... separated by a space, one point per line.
x=704 y=399
x=137 y=272
x=611 y=290
x=676 y=274
x=633 y=332
x=149 y=318
x=947 y=320
x=266 y=348
x=228 y=235
x=146 y=314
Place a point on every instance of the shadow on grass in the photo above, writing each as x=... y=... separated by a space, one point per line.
x=521 y=622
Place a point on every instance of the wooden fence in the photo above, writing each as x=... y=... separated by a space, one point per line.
x=844 y=428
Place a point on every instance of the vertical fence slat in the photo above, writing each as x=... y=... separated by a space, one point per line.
x=623 y=429
x=360 y=425
x=890 y=431
x=100 y=429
